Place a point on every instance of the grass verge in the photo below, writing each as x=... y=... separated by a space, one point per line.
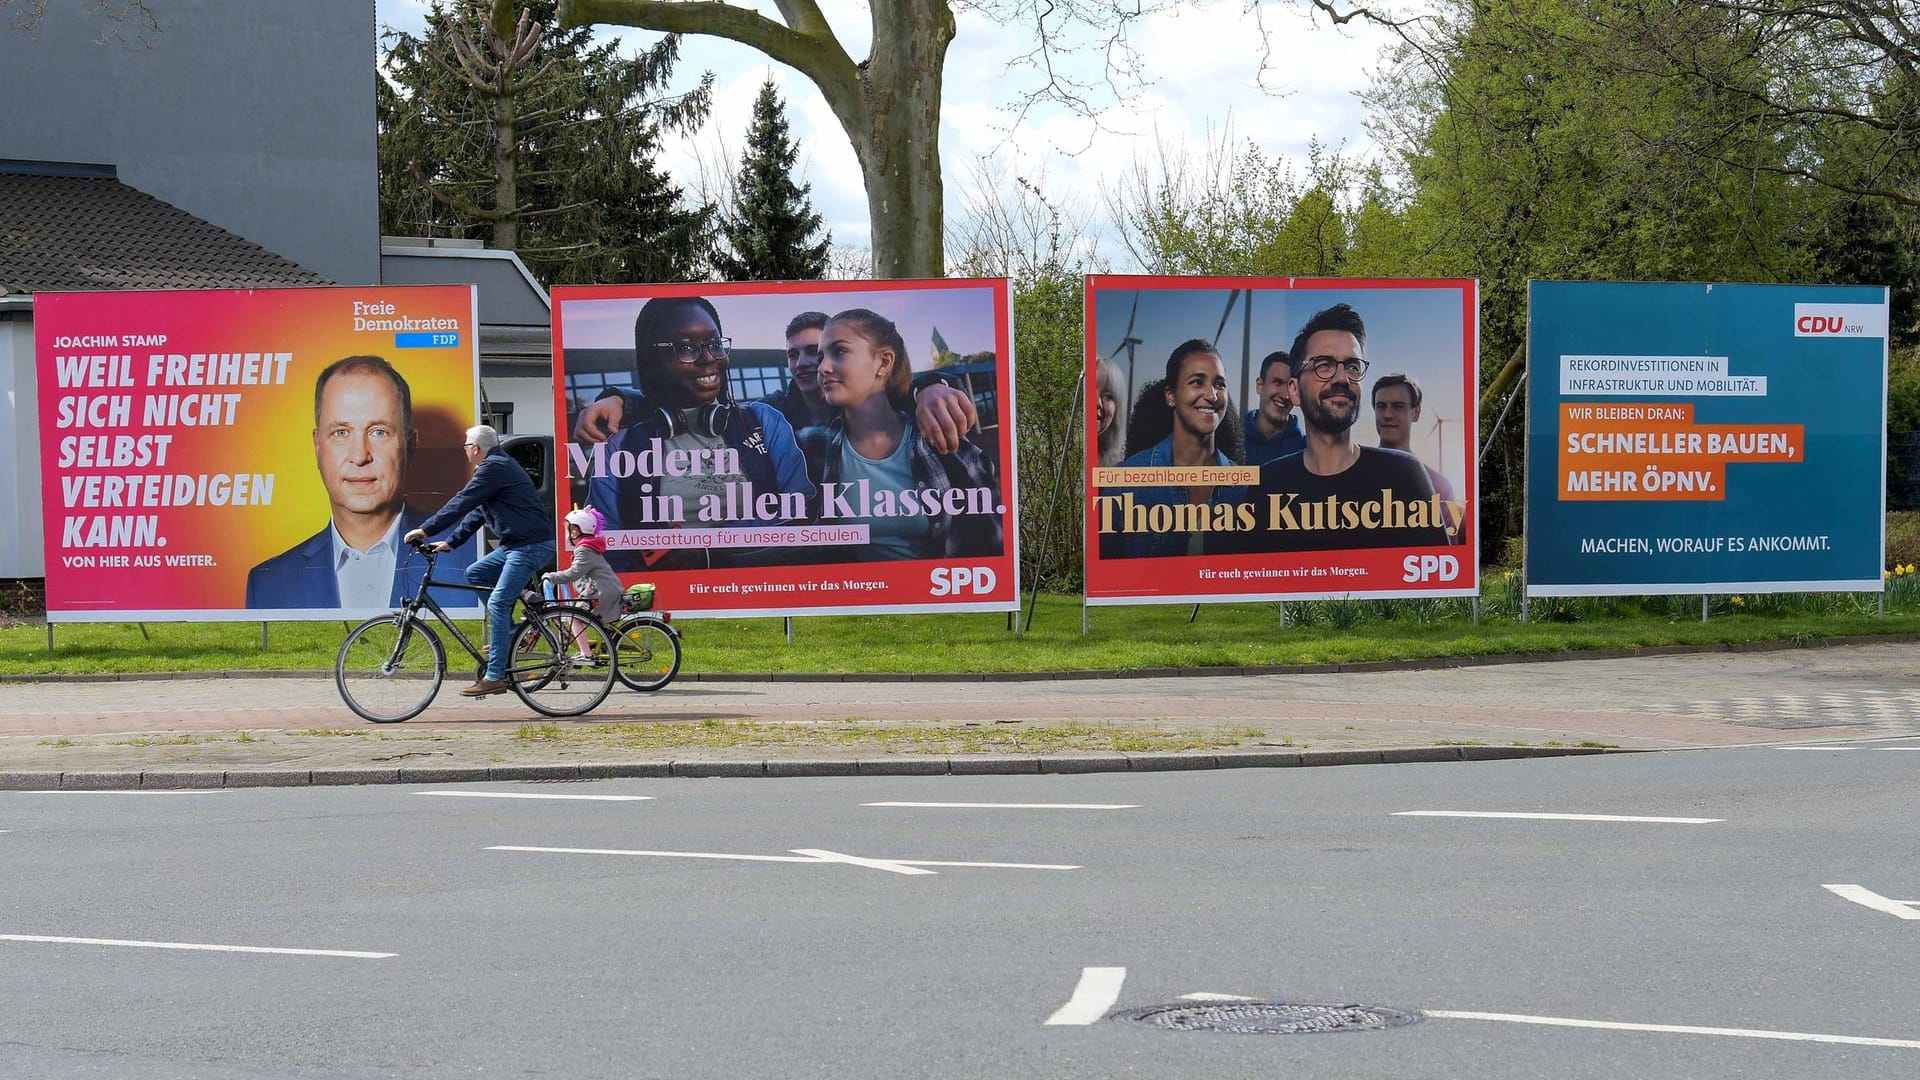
x=967 y=738
x=1130 y=638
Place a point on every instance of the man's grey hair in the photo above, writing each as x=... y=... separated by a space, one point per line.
x=484 y=437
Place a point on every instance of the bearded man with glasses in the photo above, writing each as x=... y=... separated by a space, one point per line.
x=1335 y=493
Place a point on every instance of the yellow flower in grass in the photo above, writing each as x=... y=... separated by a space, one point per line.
x=1909 y=568
x=1736 y=601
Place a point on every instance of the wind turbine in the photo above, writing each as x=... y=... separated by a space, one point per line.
x=1127 y=342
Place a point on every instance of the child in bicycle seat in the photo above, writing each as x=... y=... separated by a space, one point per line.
x=589 y=575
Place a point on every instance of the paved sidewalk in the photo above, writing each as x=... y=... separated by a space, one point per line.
x=116 y=731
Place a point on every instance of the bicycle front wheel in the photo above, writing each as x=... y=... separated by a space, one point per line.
x=562 y=663
x=648 y=654
x=389 y=668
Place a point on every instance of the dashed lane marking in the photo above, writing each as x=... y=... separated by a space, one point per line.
x=1674 y=1029
x=534 y=795
x=817 y=856
x=1557 y=817
x=1012 y=805
x=1098 y=989
x=195 y=947
x=1899 y=909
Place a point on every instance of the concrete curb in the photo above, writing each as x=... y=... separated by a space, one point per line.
x=201 y=778
x=1351 y=667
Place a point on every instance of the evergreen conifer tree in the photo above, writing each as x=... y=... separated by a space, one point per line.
x=540 y=141
x=769 y=228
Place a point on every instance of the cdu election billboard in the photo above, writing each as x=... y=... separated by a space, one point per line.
x=1687 y=438
x=249 y=453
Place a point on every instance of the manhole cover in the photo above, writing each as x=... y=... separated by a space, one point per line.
x=1268 y=1017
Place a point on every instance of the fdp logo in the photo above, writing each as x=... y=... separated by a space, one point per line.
x=1840 y=320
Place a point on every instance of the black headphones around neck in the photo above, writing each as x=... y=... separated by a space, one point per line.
x=715 y=417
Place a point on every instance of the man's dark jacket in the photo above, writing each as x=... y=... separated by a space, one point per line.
x=502 y=496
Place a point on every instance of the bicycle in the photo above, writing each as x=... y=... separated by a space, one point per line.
x=391 y=666
x=646 y=643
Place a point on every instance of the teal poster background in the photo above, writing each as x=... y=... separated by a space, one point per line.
x=1809 y=517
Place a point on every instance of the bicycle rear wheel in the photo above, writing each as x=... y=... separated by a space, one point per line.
x=648 y=654
x=562 y=663
x=389 y=668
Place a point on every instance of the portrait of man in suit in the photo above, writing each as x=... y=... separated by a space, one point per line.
x=363 y=442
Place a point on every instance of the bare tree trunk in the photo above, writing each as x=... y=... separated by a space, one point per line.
x=899 y=146
x=506 y=190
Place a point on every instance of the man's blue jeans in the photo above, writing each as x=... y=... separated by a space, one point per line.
x=507 y=569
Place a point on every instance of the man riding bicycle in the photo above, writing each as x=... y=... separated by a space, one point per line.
x=501 y=495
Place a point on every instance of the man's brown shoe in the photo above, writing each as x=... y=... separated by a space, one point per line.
x=485 y=687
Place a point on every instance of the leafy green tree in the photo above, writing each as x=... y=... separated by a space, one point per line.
x=1011 y=226
x=1870 y=242
x=495 y=124
x=1244 y=213
x=770 y=228
x=1525 y=155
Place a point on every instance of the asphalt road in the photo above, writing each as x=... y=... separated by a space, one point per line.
x=854 y=961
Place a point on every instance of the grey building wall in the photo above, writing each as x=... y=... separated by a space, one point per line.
x=256 y=115
x=21 y=552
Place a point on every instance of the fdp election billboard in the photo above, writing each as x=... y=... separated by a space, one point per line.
x=795 y=448
x=1280 y=438
x=248 y=454
x=1688 y=438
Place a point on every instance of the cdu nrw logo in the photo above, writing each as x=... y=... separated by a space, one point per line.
x=1840 y=320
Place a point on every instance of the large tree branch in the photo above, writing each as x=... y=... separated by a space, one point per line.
x=804 y=16
x=809 y=47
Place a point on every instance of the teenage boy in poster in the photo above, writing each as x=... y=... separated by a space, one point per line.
x=1396 y=409
x=1273 y=430
x=1337 y=494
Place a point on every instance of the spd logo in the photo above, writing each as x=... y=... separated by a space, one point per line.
x=952 y=580
x=1840 y=320
x=1429 y=567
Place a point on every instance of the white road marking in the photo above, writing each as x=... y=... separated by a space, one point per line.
x=854 y=860
x=350 y=954
x=1012 y=805
x=1899 y=909
x=130 y=791
x=1206 y=996
x=534 y=795
x=1556 y=817
x=987 y=865
x=808 y=855
x=1098 y=989
x=1897 y=748
x=662 y=854
x=1816 y=748
x=1675 y=1029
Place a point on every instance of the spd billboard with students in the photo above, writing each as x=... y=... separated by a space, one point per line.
x=795 y=448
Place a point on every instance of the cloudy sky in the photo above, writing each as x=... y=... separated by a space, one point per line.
x=1203 y=62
